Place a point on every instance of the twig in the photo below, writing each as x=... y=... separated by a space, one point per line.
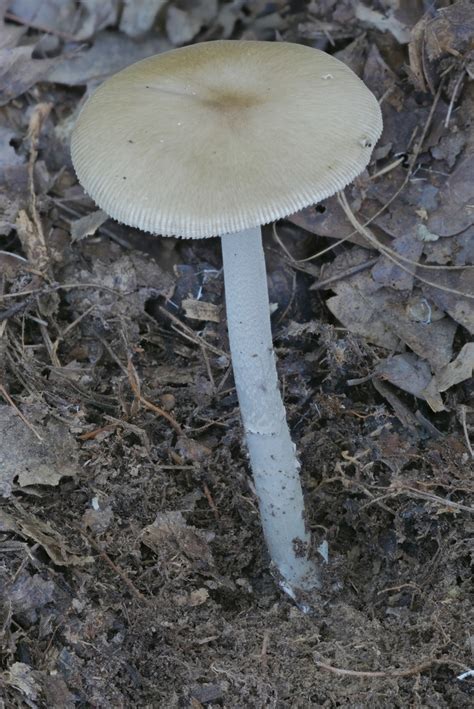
x=208 y=368
x=399 y=588
x=14 y=309
x=454 y=96
x=345 y=274
x=134 y=382
x=466 y=432
x=283 y=315
x=415 y=670
x=8 y=398
x=401 y=489
x=116 y=569
x=37 y=249
x=50 y=346
x=189 y=334
x=387 y=168
x=210 y=500
x=264 y=650
x=73 y=324
x=63 y=286
x=438 y=500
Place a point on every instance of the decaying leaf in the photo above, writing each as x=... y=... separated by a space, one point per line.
x=26 y=460
x=30 y=527
x=406 y=371
x=431 y=340
x=384 y=23
x=12 y=265
x=362 y=316
x=398 y=277
x=138 y=16
x=170 y=537
x=458 y=370
x=57 y=15
x=455 y=212
x=385 y=317
x=460 y=308
x=19 y=71
x=185 y=18
x=327 y=219
x=200 y=310
x=88 y=225
x=447 y=34
x=76 y=20
x=451 y=31
x=123 y=287
x=109 y=53
x=25 y=680
x=27 y=593
x=96 y=16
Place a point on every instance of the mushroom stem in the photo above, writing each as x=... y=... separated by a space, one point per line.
x=272 y=453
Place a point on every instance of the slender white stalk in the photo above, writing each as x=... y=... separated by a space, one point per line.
x=272 y=452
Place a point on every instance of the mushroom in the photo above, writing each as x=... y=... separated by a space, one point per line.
x=220 y=138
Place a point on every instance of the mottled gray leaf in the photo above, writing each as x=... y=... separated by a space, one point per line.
x=109 y=53
x=138 y=16
x=19 y=71
x=32 y=462
x=455 y=212
x=406 y=371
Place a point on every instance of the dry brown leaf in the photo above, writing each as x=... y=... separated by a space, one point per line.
x=200 y=310
x=29 y=527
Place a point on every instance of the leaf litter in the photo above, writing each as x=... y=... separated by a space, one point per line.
x=133 y=567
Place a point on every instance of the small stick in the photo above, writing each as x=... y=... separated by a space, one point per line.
x=134 y=382
x=415 y=670
x=210 y=500
x=265 y=644
x=135 y=387
x=189 y=334
x=453 y=97
x=466 y=433
x=345 y=274
x=8 y=398
x=116 y=569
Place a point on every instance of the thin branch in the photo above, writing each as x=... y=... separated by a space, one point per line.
x=408 y=672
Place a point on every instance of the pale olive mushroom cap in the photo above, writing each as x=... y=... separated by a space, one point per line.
x=223 y=136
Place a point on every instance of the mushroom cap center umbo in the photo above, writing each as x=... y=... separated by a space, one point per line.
x=222 y=136
x=231 y=102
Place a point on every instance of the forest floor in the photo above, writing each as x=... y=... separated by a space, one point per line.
x=133 y=571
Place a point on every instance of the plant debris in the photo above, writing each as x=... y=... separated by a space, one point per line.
x=133 y=569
